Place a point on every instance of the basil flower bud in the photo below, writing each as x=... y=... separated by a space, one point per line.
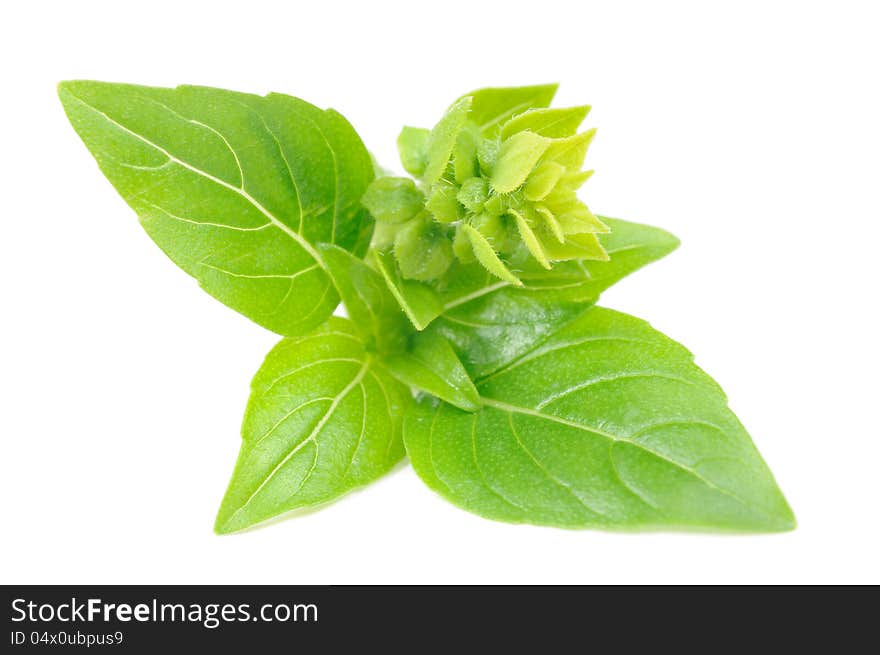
x=493 y=186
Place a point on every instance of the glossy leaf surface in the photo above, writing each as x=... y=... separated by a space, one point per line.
x=236 y=188
x=323 y=418
x=606 y=424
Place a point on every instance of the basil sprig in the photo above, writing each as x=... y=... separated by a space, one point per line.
x=473 y=343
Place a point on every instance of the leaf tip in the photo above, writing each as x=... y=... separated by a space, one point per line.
x=223 y=524
x=668 y=242
x=64 y=89
x=230 y=520
x=220 y=530
x=69 y=87
x=550 y=88
x=785 y=520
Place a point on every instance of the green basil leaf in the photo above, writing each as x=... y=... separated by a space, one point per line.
x=412 y=143
x=609 y=424
x=491 y=323
x=493 y=107
x=419 y=301
x=323 y=418
x=442 y=140
x=235 y=188
x=430 y=364
x=371 y=307
x=494 y=329
x=516 y=159
x=486 y=255
x=552 y=123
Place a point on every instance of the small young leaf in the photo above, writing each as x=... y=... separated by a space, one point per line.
x=422 y=251
x=323 y=419
x=464 y=156
x=529 y=238
x=487 y=155
x=473 y=194
x=464 y=251
x=578 y=219
x=516 y=159
x=393 y=199
x=492 y=107
x=430 y=364
x=235 y=188
x=420 y=302
x=609 y=424
x=412 y=144
x=570 y=151
x=574 y=180
x=542 y=180
x=554 y=123
x=443 y=138
x=551 y=223
x=374 y=312
x=442 y=203
x=487 y=256
x=585 y=246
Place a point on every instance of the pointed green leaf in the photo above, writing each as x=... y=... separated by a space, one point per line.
x=583 y=246
x=235 y=188
x=492 y=107
x=551 y=223
x=608 y=424
x=574 y=180
x=578 y=219
x=419 y=301
x=369 y=303
x=570 y=151
x=530 y=239
x=412 y=144
x=487 y=256
x=464 y=156
x=323 y=419
x=430 y=364
x=542 y=180
x=442 y=140
x=553 y=123
x=516 y=159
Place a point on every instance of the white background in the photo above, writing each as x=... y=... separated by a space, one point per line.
x=750 y=130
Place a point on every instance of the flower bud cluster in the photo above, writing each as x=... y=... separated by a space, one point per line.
x=495 y=194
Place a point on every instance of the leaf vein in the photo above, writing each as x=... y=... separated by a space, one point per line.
x=312 y=437
x=240 y=191
x=604 y=380
x=506 y=407
x=549 y=349
x=496 y=492
x=562 y=484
